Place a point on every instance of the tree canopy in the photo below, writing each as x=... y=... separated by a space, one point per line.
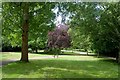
x=93 y=26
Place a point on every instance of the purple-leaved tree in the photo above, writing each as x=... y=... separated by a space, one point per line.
x=59 y=38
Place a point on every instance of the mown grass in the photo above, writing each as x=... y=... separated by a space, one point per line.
x=17 y=55
x=66 y=66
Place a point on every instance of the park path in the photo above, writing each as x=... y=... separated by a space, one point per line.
x=78 y=52
x=2 y=63
x=6 y=62
x=41 y=57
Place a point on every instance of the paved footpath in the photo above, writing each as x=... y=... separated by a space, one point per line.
x=13 y=60
x=6 y=62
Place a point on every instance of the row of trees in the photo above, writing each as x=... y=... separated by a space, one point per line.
x=100 y=24
x=93 y=26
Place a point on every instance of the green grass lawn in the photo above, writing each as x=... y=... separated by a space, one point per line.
x=66 y=66
x=17 y=55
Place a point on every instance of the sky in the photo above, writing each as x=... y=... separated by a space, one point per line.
x=58 y=19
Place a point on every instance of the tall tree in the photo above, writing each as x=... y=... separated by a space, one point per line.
x=101 y=22
x=25 y=26
x=16 y=22
x=110 y=20
x=43 y=22
x=59 y=38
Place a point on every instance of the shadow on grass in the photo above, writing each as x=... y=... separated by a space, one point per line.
x=109 y=60
x=55 y=68
x=106 y=59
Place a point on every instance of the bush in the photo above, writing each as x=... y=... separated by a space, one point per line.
x=9 y=48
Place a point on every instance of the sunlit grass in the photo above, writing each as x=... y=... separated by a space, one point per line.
x=63 y=67
x=17 y=55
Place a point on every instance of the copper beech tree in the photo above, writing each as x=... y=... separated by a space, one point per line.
x=59 y=38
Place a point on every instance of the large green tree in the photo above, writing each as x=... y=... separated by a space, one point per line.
x=40 y=24
x=101 y=22
x=21 y=18
x=110 y=25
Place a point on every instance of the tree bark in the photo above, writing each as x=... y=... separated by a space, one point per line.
x=87 y=53
x=36 y=50
x=98 y=55
x=24 y=55
x=119 y=55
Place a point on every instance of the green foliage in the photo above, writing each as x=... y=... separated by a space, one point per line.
x=40 y=22
x=99 y=22
x=93 y=26
x=11 y=28
x=79 y=40
x=108 y=38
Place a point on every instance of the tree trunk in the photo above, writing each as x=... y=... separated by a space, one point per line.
x=36 y=46
x=36 y=50
x=87 y=53
x=117 y=57
x=24 y=55
x=98 y=55
x=119 y=54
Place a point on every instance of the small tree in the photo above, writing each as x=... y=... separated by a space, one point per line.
x=58 y=39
